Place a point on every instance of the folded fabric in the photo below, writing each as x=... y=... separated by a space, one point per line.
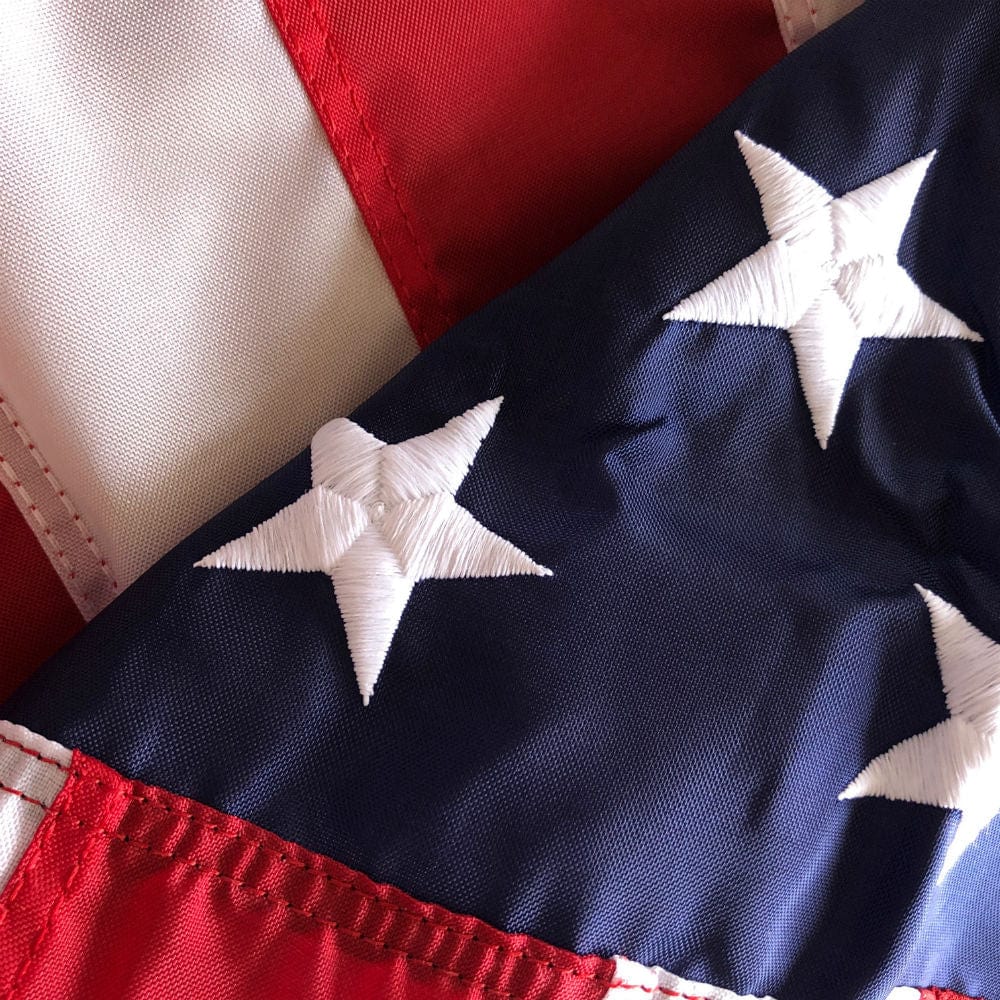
x=225 y=222
x=669 y=578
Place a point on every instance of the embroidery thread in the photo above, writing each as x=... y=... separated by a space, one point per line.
x=829 y=275
x=378 y=519
x=955 y=764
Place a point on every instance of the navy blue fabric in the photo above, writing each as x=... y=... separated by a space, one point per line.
x=643 y=753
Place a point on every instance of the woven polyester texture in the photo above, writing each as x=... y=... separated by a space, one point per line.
x=481 y=138
x=187 y=289
x=647 y=759
x=133 y=893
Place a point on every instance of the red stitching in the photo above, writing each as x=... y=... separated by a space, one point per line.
x=491 y=947
x=192 y=819
x=38 y=944
x=352 y=93
x=618 y=984
x=22 y=795
x=312 y=85
x=56 y=488
x=323 y=921
x=9 y=897
x=311 y=80
x=32 y=753
x=284 y=858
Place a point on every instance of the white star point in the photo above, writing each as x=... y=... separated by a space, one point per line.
x=829 y=276
x=379 y=519
x=956 y=763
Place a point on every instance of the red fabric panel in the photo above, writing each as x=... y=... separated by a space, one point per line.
x=481 y=138
x=130 y=892
x=936 y=993
x=37 y=615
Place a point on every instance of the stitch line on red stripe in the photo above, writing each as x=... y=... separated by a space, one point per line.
x=35 y=851
x=311 y=81
x=319 y=870
x=38 y=944
x=389 y=908
x=284 y=858
x=312 y=915
x=377 y=150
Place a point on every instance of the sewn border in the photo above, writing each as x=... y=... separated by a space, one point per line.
x=61 y=530
x=98 y=806
x=308 y=35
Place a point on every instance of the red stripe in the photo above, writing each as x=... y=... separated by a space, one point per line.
x=37 y=615
x=481 y=138
x=129 y=891
x=936 y=993
x=306 y=26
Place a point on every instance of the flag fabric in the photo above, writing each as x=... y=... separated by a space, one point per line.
x=200 y=266
x=649 y=612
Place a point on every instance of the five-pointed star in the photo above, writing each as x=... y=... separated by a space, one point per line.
x=378 y=519
x=829 y=275
x=955 y=764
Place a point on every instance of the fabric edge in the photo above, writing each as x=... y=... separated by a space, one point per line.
x=44 y=504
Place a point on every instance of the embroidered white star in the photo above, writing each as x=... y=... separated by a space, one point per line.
x=955 y=764
x=378 y=519
x=829 y=275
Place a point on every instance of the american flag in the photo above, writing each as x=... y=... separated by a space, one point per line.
x=637 y=638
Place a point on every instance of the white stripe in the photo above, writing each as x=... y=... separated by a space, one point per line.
x=25 y=776
x=904 y=993
x=187 y=288
x=633 y=981
x=799 y=20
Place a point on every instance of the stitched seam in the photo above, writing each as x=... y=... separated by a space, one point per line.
x=58 y=490
x=38 y=944
x=10 y=790
x=330 y=878
x=313 y=916
x=376 y=149
x=286 y=859
x=201 y=868
x=33 y=753
x=67 y=567
x=662 y=990
x=347 y=161
x=311 y=80
x=14 y=890
x=283 y=858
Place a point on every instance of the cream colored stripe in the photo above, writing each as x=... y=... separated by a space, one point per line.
x=187 y=289
x=32 y=773
x=658 y=984
x=799 y=20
